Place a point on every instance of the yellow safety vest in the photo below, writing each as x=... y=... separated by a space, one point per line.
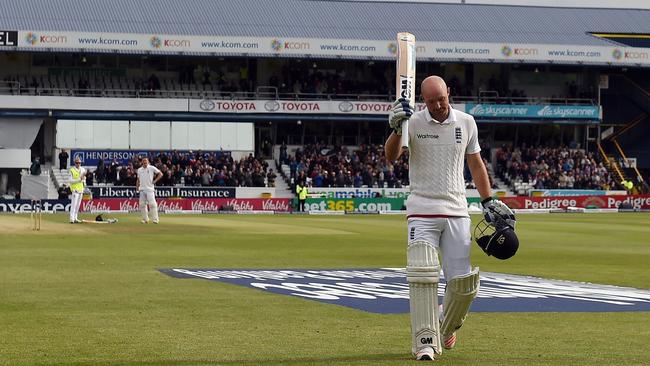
x=302 y=193
x=79 y=186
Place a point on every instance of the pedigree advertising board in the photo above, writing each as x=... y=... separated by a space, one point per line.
x=559 y=202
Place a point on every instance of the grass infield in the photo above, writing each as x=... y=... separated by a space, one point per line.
x=91 y=295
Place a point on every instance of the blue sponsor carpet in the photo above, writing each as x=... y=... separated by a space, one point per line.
x=385 y=290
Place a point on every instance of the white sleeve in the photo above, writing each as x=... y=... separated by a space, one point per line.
x=472 y=140
x=155 y=170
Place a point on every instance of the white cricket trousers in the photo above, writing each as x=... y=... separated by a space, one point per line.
x=74 y=205
x=148 y=198
x=452 y=238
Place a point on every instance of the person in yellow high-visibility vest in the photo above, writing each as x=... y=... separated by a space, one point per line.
x=301 y=190
x=78 y=177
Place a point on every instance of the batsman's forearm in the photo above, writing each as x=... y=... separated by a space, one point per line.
x=393 y=147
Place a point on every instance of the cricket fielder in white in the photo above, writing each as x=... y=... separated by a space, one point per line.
x=77 y=181
x=148 y=175
x=440 y=140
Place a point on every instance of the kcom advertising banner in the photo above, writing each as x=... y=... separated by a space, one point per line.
x=322 y=47
x=360 y=205
x=533 y=111
x=162 y=192
x=637 y=201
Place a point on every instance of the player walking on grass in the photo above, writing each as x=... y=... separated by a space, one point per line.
x=148 y=175
x=78 y=177
x=440 y=140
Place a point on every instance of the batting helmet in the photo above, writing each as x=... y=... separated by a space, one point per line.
x=501 y=243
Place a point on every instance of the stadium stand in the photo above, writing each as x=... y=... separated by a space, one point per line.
x=217 y=74
x=524 y=168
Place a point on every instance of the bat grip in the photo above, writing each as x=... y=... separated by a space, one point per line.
x=405 y=134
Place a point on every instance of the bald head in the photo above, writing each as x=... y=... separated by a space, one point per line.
x=435 y=94
x=433 y=84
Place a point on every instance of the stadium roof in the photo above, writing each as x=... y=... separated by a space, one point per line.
x=327 y=19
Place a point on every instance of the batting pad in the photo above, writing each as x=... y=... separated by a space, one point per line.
x=459 y=295
x=423 y=275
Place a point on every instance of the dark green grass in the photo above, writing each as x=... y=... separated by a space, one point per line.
x=95 y=298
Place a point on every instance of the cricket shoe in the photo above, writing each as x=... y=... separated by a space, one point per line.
x=425 y=354
x=449 y=341
x=155 y=221
x=144 y=221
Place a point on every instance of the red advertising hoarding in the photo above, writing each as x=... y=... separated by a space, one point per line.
x=525 y=203
x=190 y=204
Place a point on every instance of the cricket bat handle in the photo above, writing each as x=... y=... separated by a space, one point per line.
x=405 y=134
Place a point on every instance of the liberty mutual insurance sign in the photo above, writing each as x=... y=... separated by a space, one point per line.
x=164 y=192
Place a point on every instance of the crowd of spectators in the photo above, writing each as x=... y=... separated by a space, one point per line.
x=192 y=169
x=319 y=165
x=553 y=168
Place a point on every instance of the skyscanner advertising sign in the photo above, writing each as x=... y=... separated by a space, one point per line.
x=533 y=111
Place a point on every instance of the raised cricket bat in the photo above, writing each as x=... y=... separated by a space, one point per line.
x=405 y=81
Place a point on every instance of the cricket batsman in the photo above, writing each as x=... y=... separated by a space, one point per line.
x=441 y=139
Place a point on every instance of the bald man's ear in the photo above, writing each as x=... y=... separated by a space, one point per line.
x=448 y=91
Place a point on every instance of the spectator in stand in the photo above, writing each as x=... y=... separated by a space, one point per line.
x=63 y=160
x=89 y=178
x=63 y=192
x=35 y=168
x=358 y=181
x=112 y=175
x=283 y=153
x=270 y=178
x=100 y=172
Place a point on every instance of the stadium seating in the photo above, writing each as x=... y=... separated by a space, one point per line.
x=525 y=168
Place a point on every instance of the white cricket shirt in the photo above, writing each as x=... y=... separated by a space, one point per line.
x=436 y=162
x=146 y=176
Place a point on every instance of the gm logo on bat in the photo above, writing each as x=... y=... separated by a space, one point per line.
x=405 y=83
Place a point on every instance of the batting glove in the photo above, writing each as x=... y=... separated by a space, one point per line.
x=402 y=111
x=497 y=214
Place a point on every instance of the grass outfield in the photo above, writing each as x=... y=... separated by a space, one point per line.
x=91 y=294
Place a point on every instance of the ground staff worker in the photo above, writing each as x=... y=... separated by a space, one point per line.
x=78 y=177
x=301 y=190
